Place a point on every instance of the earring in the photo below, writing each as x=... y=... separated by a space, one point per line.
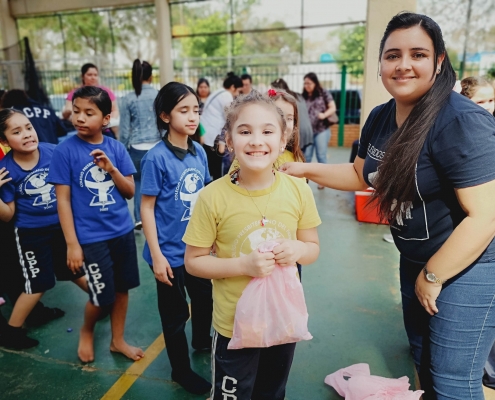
x=379 y=74
x=438 y=70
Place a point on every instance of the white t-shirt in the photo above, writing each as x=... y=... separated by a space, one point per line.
x=213 y=116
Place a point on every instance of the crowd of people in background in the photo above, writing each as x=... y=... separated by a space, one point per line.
x=202 y=165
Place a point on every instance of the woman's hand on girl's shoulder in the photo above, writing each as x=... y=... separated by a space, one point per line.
x=258 y=265
x=3 y=174
x=288 y=252
x=297 y=169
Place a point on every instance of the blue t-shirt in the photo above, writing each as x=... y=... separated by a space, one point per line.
x=99 y=209
x=35 y=201
x=458 y=153
x=176 y=184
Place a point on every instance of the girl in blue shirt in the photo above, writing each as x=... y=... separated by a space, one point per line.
x=26 y=196
x=173 y=173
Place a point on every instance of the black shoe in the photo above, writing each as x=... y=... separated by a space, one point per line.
x=138 y=226
x=42 y=315
x=192 y=382
x=16 y=338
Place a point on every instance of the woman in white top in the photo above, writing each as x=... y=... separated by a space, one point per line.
x=213 y=120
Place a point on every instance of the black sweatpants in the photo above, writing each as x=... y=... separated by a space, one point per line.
x=174 y=313
x=251 y=373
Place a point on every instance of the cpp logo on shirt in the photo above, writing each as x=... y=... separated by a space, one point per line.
x=100 y=184
x=187 y=190
x=35 y=184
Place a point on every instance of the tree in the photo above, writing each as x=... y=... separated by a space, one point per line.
x=351 y=47
x=135 y=33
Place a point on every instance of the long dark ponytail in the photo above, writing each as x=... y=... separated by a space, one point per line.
x=395 y=183
x=140 y=72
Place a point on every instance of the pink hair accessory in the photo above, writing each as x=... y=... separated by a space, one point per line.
x=272 y=92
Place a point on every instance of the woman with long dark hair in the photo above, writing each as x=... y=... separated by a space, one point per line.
x=428 y=153
x=320 y=106
x=138 y=131
x=203 y=92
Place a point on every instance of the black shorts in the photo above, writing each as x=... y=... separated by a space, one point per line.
x=111 y=266
x=43 y=256
x=254 y=373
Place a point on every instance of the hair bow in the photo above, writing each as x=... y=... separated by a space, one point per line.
x=272 y=92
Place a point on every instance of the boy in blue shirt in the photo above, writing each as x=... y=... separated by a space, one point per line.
x=92 y=175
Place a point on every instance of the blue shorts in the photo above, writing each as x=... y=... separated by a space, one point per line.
x=43 y=256
x=110 y=266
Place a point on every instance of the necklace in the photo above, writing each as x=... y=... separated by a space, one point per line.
x=263 y=220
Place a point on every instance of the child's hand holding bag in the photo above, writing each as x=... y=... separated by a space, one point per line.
x=271 y=310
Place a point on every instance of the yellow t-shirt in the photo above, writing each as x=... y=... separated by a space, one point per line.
x=226 y=215
x=283 y=158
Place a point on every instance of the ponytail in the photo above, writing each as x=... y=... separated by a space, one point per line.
x=137 y=76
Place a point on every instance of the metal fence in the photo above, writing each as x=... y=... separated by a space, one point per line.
x=344 y=80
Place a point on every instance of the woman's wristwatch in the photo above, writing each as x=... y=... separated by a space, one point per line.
x=431 y=277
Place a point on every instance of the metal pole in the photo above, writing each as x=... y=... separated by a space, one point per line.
x=61 y=24
x=343 y=95
x=466 y=37
x=301 y=50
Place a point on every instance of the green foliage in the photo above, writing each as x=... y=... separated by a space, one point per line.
x=89 y=30
x=351 y=45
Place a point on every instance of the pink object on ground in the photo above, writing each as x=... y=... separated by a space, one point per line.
x=361 y=385
x=2 y=301
x=271 y=310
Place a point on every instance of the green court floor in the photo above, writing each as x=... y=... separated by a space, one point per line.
x=353 y=299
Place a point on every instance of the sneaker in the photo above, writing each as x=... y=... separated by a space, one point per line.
x=17 y=339
x=388 y=238
x=138 y=226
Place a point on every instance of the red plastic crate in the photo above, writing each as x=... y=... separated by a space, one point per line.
x=367 y=212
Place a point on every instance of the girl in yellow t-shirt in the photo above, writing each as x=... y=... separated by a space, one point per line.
x=233 y=215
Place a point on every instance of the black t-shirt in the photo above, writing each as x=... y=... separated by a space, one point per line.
x=458 y=152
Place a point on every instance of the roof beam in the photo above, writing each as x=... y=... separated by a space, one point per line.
x=26 y=8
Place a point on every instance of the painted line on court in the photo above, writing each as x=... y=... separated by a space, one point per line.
x=130 y=376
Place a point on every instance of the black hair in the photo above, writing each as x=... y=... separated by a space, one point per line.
x=141 y=71
x=16 y=98
x=396 y=181
x=5 y=115
x=247 y=76
x=167 y=98
x=281 y=84
x=318 y=89
x=85 y=69
x=95 y=95
x=200 y=81
x=232 y=79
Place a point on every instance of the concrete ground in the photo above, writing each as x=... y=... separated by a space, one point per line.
x=353 y=299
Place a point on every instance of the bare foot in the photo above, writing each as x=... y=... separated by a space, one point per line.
x=134 y=353
x=86 y=351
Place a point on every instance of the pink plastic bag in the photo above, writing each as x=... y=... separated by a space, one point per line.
x=356 y=383
x=271 y=310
